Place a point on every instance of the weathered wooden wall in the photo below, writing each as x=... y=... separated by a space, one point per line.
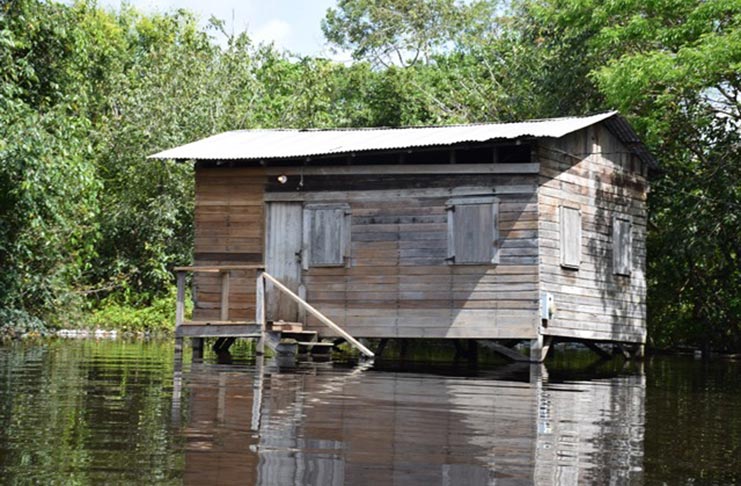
x=398 y=283
x=591 y=170
x=229 y=219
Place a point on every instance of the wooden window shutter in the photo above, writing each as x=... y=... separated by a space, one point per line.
x=326 y=235
x=570 y=237
x=473 y=231
x=622 y=245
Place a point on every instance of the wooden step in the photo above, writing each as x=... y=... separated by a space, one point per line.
x=301 y=342
x=316 y=348
x=286 y=326
x=299 y=335
x=314 y=343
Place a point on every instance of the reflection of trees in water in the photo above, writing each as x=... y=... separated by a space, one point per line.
x=86 y=412
x=693 y=422
x=330 y=426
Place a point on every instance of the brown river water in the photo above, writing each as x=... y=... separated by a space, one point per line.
x=116 y=412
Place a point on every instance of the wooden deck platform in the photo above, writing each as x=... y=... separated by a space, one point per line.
x=219 y=329
x=227 y=329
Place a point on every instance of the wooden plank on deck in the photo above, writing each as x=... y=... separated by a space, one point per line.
x=218 y=330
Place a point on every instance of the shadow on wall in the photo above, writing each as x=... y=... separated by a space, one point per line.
x=595 y=297
x=615 y=193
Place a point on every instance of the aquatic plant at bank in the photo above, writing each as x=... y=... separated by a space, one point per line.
x=15 y=323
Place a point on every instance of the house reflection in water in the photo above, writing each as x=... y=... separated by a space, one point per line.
x=320 y=424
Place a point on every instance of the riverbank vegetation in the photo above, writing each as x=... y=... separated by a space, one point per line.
x=89 y=229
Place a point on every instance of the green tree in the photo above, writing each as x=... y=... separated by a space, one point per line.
x=679 y=79
x=47 y=182
x=404 y=32
x=672 y=68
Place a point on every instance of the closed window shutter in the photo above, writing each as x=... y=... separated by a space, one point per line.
x=472 y=232
x=622 y=245
x=326 y=235
x=570 y=237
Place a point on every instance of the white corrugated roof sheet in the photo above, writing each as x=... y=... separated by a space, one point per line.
x=271 y=144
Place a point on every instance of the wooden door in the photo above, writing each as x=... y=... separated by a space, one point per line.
x=283 y=241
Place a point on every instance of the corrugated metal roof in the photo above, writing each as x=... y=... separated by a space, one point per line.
x=272 y=144
x=620 y=127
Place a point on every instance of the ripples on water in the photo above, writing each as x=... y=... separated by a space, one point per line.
x=115 y=412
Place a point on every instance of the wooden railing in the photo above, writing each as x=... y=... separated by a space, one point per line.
x=260 y=301
x=225 y=271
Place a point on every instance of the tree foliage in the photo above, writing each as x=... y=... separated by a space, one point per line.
x=679 y=78
x=85 y=96
x=673 y=69
x=48 y=186
x=404 y=32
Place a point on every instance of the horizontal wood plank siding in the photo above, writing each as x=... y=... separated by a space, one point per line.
x=592 y=171
x=399 y=283
x=229 y=229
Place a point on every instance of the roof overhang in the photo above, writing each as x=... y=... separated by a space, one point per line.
x=288 y=144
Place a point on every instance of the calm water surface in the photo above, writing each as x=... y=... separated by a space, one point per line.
x=89 y=412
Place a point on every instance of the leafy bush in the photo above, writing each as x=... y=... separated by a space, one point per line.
x=16 y=322
x=126 y=314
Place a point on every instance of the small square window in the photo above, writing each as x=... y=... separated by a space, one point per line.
x=326 y=235
x=570 y=237
x=622 y=245
x=472 y=230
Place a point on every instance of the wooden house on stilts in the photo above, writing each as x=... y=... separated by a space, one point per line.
x=498 y=232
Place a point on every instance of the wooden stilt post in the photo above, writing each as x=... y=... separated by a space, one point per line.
x=225 y=295
x=180 y=304
x=179 y=315
x=223 y=344
x=260 y=311
x=459 y=351
x=472 y=353
x=634 y=352
x=538 y=374
x=381 y=347
x=403 y=348
x=621 y=350
x=178 y=348
x=218 y=344
x=197 y=345
x=539 y=348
